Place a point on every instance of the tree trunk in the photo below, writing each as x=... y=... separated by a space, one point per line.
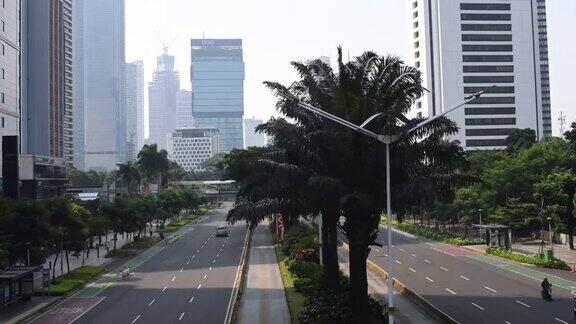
x=330 y=248
x=358 y=279
x=115 y=239
x=67 y=262
x=54 y=265
x=570 y=221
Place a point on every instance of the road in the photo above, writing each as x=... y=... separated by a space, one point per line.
x=188 y=281
x=475 y=288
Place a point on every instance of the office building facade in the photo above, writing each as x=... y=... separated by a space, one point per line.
x=10 y=102
x=47 y=83
x=162 y=92
x=100 y=122
x=189 y=147
x=184 y=108
x=134 y=78
x=251 y=138
x=500 y=47
x=217 y=76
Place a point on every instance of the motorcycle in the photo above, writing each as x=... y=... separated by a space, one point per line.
x=547 y=294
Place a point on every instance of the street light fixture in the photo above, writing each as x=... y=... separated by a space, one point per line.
x=550 y=234
x=387 y=140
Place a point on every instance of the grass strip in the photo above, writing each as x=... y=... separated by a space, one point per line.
x=295 y=299
x=434 y=234
x=518 y=257
x=75 y=279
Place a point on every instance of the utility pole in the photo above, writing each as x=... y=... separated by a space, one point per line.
x=562 y=123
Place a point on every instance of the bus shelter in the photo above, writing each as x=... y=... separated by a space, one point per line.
x=495 y=235
x=16 y=284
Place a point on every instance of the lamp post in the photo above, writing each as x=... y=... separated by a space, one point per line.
x=387 y=140
x=480 y=215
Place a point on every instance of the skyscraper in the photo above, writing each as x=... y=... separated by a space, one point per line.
x=217 y=76
x=134 y=79
x=48 y=82
x=10 y=71
x=184 y=108
x=251 y=138
x=500 y=47
x=99 y=86
x=162 y=100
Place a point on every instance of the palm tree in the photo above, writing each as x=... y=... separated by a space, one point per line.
x=154 y=163
x=129 y=174
x=368 y=85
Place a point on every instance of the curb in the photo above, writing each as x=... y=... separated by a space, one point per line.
x=232 y=310
x=411 y=295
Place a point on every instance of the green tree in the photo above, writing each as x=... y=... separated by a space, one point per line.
x=129 y=174
x=520 y=139
x=559 y=188
x=467 y=203
x=154 y=163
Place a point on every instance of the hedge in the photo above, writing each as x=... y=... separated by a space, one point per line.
x=507 y=254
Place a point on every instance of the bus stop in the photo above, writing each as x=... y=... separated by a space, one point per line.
x=495 y=235
x=16 y=284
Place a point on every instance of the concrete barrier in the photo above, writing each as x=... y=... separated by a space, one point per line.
x=232 y=309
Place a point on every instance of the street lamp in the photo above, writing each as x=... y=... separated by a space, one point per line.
x=387 y=140
x=480 y=215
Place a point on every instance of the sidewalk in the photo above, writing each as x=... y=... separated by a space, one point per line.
x=561 y=251
x=263 y=300
x=407 y=312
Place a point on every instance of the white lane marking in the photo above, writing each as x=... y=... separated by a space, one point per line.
x=398 y=262
x=559 y=320
x=429 y=279
x=507 y=322
x=197 y=251
x=152 y=302
x=200 y=285
x=217 y=255
x=206 y=275
x=210 y=269
x=220 y=250
x=135 y=319
x=181 y=315
x=477 y=306
x=173 y=278
x=164 y=289
x=411 y=269
x=401 y=249
x=443 y=268
x=427 y=261
x=213 y=261
x=435 y=249
x=181 y=269
x=523 y=304
x=464 y=278
x=412 y=254
x=191 y=300
x=450 y=291
x=187 y=262
x=492 y=290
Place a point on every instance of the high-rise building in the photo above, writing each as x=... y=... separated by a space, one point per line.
x=217 y=76
x=10 y=41
x=184 y=108
x=162 y=100
x=500 y=47
x=189 y=147
x=100 y=122
x=47 y=85
x=251 y=138
x=134 y=79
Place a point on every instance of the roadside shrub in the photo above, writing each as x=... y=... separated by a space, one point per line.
x=307 y=255
x=507 y=254
x=434 y=234
x=298 y=236
x=305 y=269
x=325 y=309
x=307 y=286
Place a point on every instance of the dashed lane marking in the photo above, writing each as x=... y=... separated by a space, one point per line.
x=181 y=315
x=191 y=300
x=559 y=320
x=427 y=261
x=398 y=262
x=429 y=279
x=206 y=275
x=135 y=319
x=401 y=249
x=411 y=269
x=181 y=269
x=173 y=278
x=478 y=306
x=492 y=290
x=199 y=286
x=164 y=289
x=413 y=255
x=450 y=291
x=443 y=268
x=523 y=304
x=464 y=278
x=152 y=302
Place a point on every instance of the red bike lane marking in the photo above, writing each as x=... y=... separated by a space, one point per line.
x=69 y=310
x=457 y=251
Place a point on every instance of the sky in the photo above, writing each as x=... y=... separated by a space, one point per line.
x=275 y=32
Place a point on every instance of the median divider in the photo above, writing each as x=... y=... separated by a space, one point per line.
x=411 y=295
x=232 y=310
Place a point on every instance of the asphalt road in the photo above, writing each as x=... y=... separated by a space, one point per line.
x=187 y=281
x=474 y=288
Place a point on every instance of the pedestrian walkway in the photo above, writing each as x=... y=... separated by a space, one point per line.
x=263 y=300
x=407 y=312
x=561 y=251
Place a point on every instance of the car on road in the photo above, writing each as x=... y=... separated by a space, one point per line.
x=222 y=231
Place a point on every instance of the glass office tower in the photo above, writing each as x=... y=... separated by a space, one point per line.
x=217 y=76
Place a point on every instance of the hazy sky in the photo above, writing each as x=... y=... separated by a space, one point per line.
x=276 y=32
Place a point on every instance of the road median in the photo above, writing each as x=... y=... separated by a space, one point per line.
x=239 y=281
